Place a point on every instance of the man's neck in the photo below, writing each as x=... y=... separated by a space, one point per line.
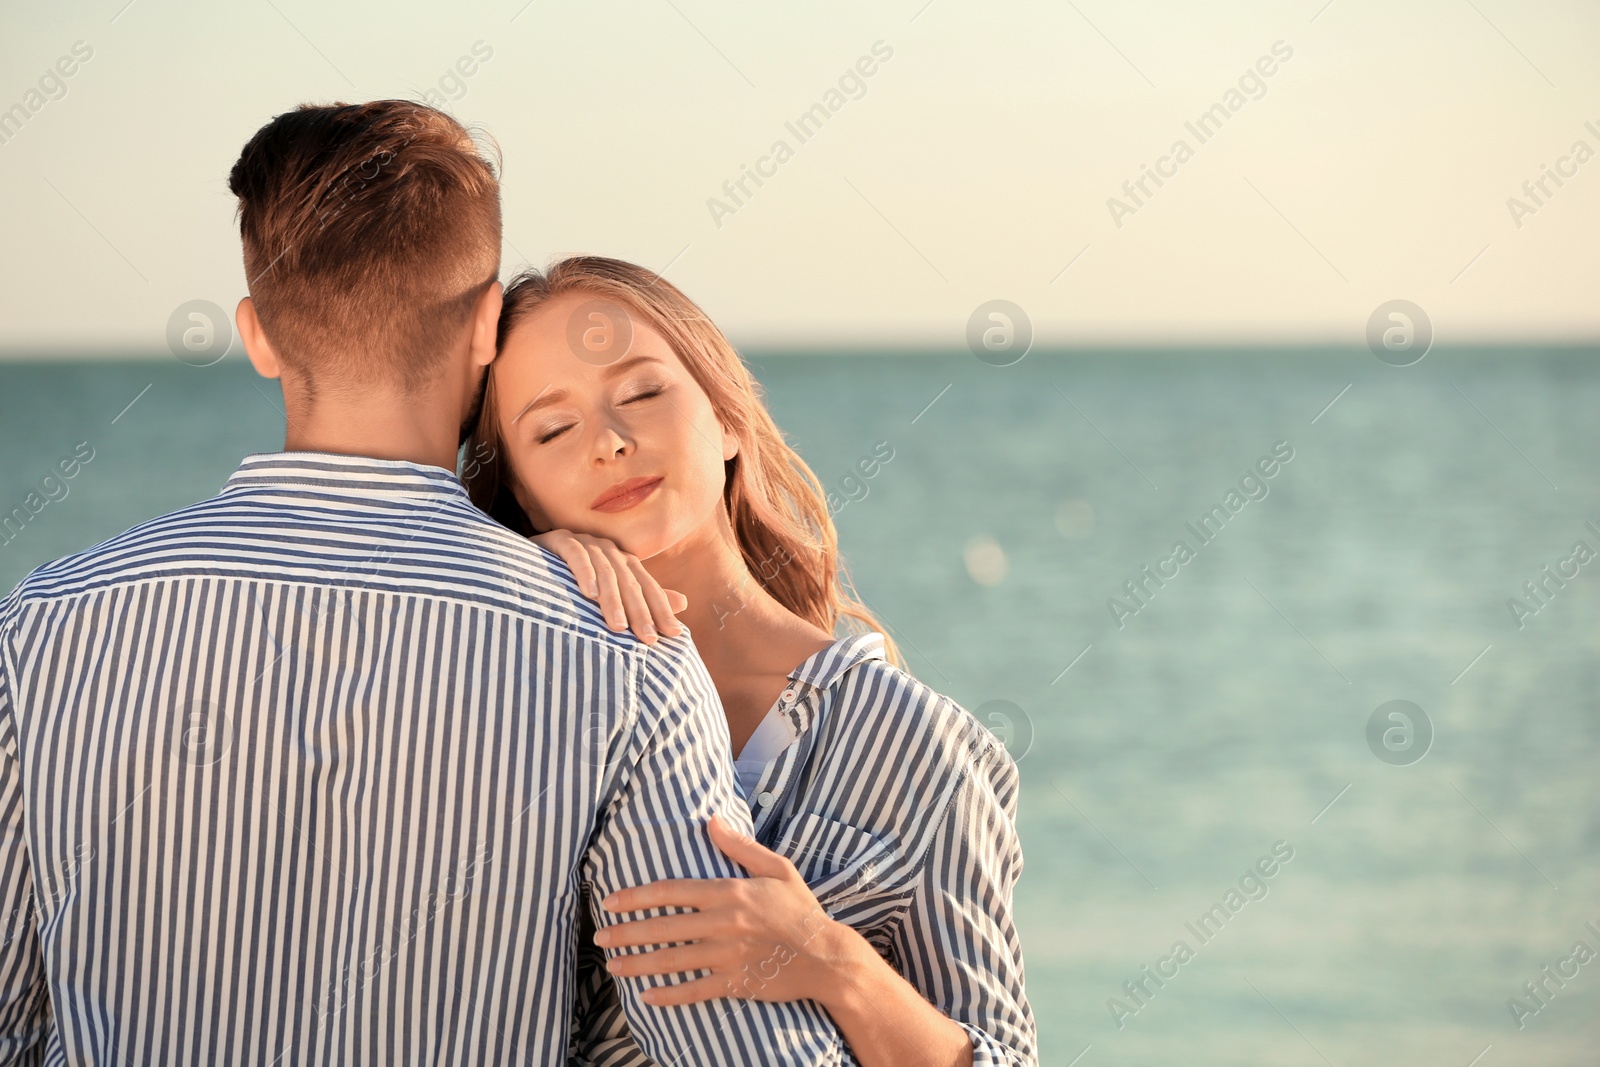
x=422 y=428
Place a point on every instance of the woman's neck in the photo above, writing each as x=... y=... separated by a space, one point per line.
x=740 y=629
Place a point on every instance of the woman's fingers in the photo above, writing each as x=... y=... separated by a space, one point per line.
x=628 y=595
x=575 y=554
x=635 y=607
x=606 y=578
x=655 y=597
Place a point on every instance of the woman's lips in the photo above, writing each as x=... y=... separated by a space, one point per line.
x=632 y=491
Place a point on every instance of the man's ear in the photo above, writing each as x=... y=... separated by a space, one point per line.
x=486 y=323
x=256 y=345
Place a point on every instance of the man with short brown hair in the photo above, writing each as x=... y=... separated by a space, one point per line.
x=316 y=770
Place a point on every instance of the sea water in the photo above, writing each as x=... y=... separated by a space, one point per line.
x=1184 y=720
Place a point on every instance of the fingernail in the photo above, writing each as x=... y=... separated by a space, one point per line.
x=609 y=902
x=647 y=631
x=611 y=966
x=602 y=937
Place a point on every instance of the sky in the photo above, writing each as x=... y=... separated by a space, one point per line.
x=958 y=153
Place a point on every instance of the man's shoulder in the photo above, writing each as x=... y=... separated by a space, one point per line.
x=449 y=552
x=90 y=567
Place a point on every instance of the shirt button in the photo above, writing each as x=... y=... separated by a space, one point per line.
x=788 y=694
x=765 y=799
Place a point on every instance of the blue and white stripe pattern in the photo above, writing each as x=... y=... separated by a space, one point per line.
x=318 y=771
x=898 y=808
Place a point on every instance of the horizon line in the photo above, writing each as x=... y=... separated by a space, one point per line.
x=124 y=354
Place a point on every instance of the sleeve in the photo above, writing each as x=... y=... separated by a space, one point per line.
x=956 y=941
x=678 y=771
x=24 y=995
x=600 y=1036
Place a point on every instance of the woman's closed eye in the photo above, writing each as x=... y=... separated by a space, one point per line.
x=550 y=435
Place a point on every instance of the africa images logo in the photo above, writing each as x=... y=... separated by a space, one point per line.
x=1253 y=486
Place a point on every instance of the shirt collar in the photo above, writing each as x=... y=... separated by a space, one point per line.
x=362 y=475
x=823 y=668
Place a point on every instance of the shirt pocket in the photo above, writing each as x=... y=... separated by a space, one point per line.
x=838 y=861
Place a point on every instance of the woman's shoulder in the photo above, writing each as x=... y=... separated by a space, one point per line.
x=893 y=755
x=891 y=762
x=880 y=699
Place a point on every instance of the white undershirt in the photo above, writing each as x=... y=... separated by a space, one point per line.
x=772 y=735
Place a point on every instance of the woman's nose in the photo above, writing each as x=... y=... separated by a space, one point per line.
x=612 y=443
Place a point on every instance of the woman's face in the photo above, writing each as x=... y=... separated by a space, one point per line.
x=579 y=422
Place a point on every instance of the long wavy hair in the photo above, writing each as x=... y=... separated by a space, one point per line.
x=776 y=505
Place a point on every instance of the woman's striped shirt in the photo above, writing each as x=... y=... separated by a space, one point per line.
x=898 y=808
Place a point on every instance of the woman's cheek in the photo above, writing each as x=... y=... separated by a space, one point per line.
x=535 y=496
x=564 y=509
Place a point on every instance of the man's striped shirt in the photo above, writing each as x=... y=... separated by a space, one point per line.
x=318 y=771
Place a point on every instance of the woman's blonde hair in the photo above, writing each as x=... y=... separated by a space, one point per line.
x=775 y=503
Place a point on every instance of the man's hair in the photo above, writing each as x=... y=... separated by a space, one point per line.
x=369 y=231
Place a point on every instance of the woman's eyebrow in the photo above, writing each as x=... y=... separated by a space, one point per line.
x=546 y=398
x=529 y=405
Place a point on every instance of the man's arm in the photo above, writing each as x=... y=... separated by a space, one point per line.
x=678 y=771
x=24 y=999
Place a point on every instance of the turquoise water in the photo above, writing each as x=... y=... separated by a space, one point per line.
x=1228 y=714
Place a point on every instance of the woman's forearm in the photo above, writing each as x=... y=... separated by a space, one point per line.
x=886 y=1022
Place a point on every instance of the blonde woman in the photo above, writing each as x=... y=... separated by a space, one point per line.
x=622 y=431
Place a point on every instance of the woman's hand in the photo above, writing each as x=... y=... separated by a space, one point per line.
x=763 y=938
x=628 y=595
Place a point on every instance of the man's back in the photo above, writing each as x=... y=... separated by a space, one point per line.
x=312 y=771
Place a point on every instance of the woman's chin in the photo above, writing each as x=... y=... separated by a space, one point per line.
x=642 y=538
